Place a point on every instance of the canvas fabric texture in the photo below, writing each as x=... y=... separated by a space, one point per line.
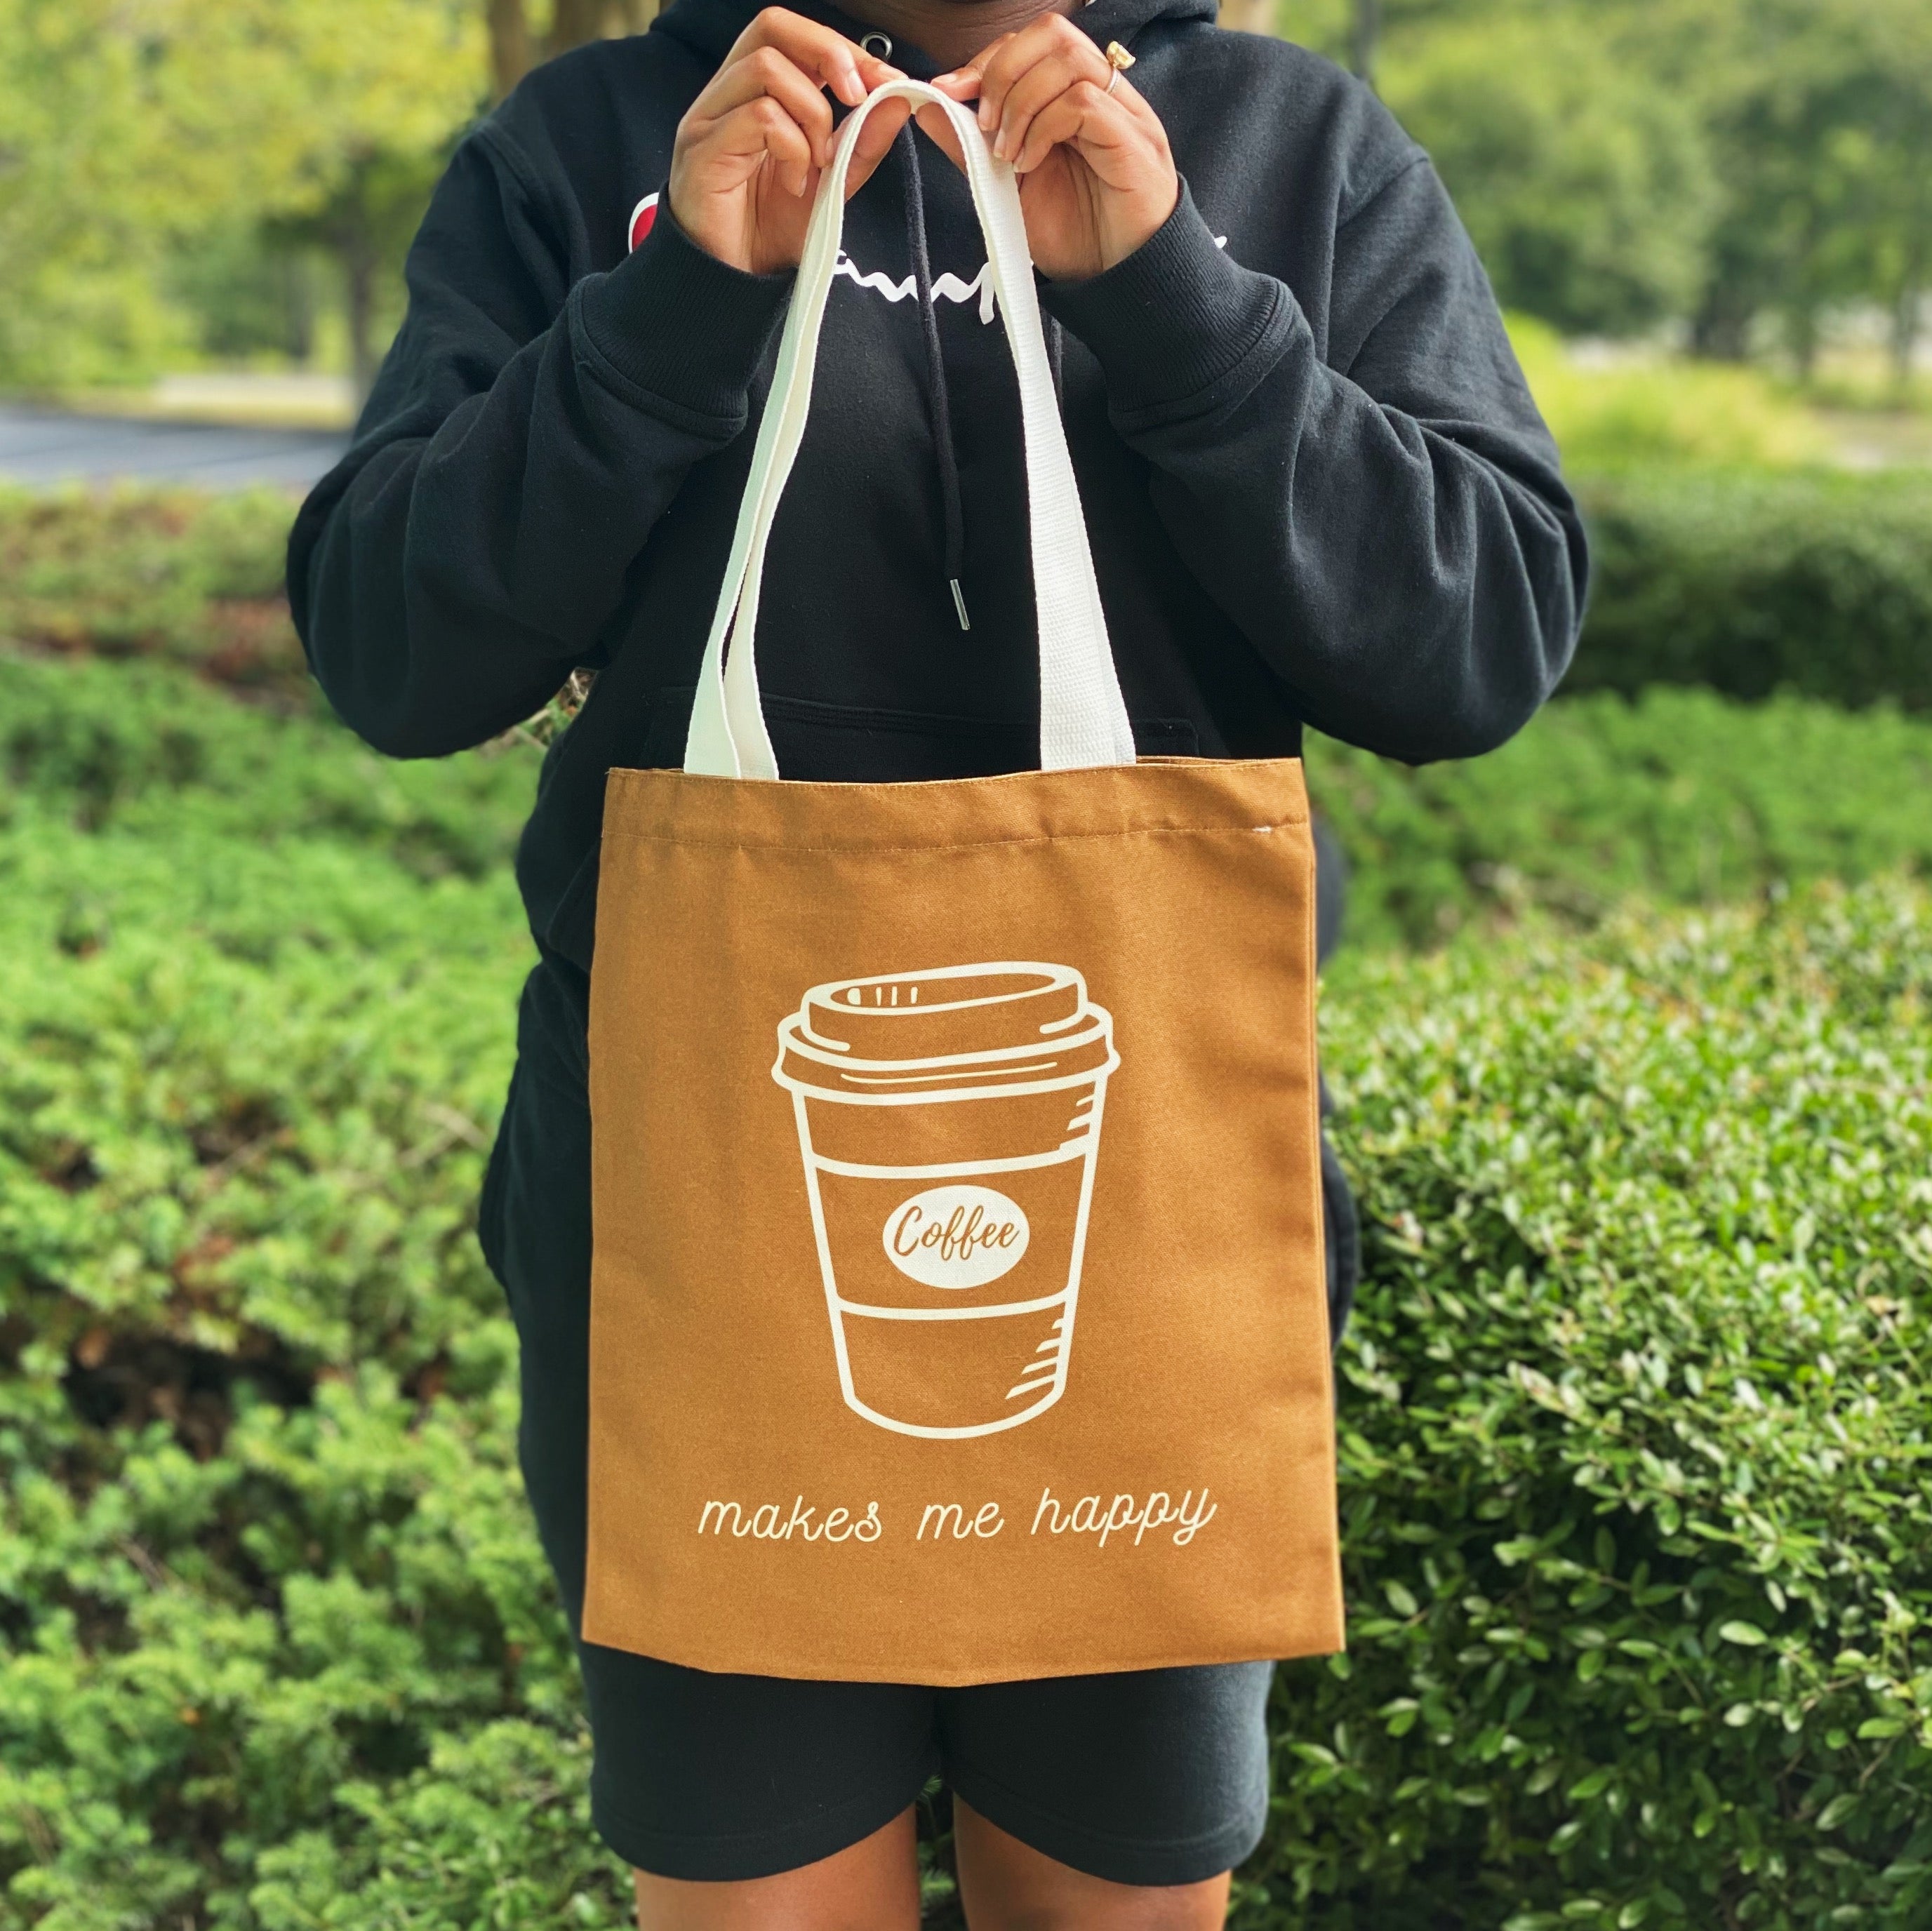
x=958 y=1297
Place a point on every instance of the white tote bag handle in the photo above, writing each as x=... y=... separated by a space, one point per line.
x=1083 y=719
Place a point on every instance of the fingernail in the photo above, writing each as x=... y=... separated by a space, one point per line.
x=986 y=117
x=1000 y=145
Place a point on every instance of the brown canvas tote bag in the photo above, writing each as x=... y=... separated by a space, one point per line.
x=958 y=1307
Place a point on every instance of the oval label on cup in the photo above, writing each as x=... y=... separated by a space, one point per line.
x=956 y=1237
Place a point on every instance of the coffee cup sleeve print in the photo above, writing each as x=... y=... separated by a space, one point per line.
x=949 y=1121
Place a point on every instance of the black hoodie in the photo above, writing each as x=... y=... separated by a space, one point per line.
x=1317 y=486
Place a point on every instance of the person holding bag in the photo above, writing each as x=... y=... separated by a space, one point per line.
x=909 y=1194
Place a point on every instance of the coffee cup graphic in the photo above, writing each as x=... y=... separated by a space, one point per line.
x=949 y=1121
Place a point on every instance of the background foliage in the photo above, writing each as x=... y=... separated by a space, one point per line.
x=139 y=135
x=1743 y=167
x=1634 y=1415
x=1635 y=1437
x=1634 y=1411
x=1753 y=583
x=180 y=180
x=1587 y=188
x=1681 y=797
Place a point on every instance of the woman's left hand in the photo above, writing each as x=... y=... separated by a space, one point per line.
x=1096 y=178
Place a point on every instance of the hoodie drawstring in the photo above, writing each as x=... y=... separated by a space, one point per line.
x=938 y=410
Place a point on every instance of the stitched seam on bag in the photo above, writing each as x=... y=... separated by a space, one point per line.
x=946 y=724
x=612 y=833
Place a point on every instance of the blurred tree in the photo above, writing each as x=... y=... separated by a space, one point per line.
x=1622 y=162
x=509 y=44
x=1587 y=187
x=365 y=221
x=514 y=48
x=84 y=210
x=133 y=128
x=247 y=294
x=1365 y=35
x=1821 y=111
x=343 y=110
x=1352 y=32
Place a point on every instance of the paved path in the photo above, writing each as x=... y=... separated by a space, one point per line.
x=41 y=446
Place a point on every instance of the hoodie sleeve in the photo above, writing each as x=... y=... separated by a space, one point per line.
x=524 y=436
x=1388 y=525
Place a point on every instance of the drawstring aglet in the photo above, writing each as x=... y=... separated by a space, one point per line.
x=959 y=604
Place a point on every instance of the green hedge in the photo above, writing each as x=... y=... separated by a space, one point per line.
x=1746 y=581
x=277 y=1648
x=1634 y=1414
x=1681 y=795
x=171 y=573
x=142 y=748
x=1753 y=582
x=1637 y=1427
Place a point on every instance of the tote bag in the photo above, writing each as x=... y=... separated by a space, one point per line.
x=957 y=1298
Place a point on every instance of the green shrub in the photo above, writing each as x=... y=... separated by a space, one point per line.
x=1752 y=582
x=1634 y=1414
x=1636 y=1421
x=171 y=573
x=144 y=748
x=1680 y=795
x=278 y=1646
x=1746 y=580
x=1625 y=411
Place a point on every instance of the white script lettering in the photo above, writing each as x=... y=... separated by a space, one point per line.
x=1089 y=1516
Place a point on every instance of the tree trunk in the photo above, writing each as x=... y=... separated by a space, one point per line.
x=1908 y=304
x=358 y=277
x=514 y=51
x=573 y=21
x=1802 y=323
x=509 y=44
x=298 y=272
x=1249 y=17
x=1720 y=332
x=1908 y=316
x=1365 y=33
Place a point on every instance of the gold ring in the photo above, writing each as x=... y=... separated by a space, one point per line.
x=1120 y=60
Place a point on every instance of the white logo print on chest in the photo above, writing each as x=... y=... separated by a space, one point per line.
x=946 y=287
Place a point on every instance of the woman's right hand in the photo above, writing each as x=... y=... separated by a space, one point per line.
x=746 y=165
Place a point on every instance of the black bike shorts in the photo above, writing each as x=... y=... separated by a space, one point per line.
x=1156 y=1777
x=1149 y=1777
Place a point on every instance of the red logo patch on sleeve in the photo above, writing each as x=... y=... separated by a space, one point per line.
x=642 y=216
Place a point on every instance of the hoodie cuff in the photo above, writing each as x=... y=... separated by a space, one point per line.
x=673 y=324
x=1176 y=324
